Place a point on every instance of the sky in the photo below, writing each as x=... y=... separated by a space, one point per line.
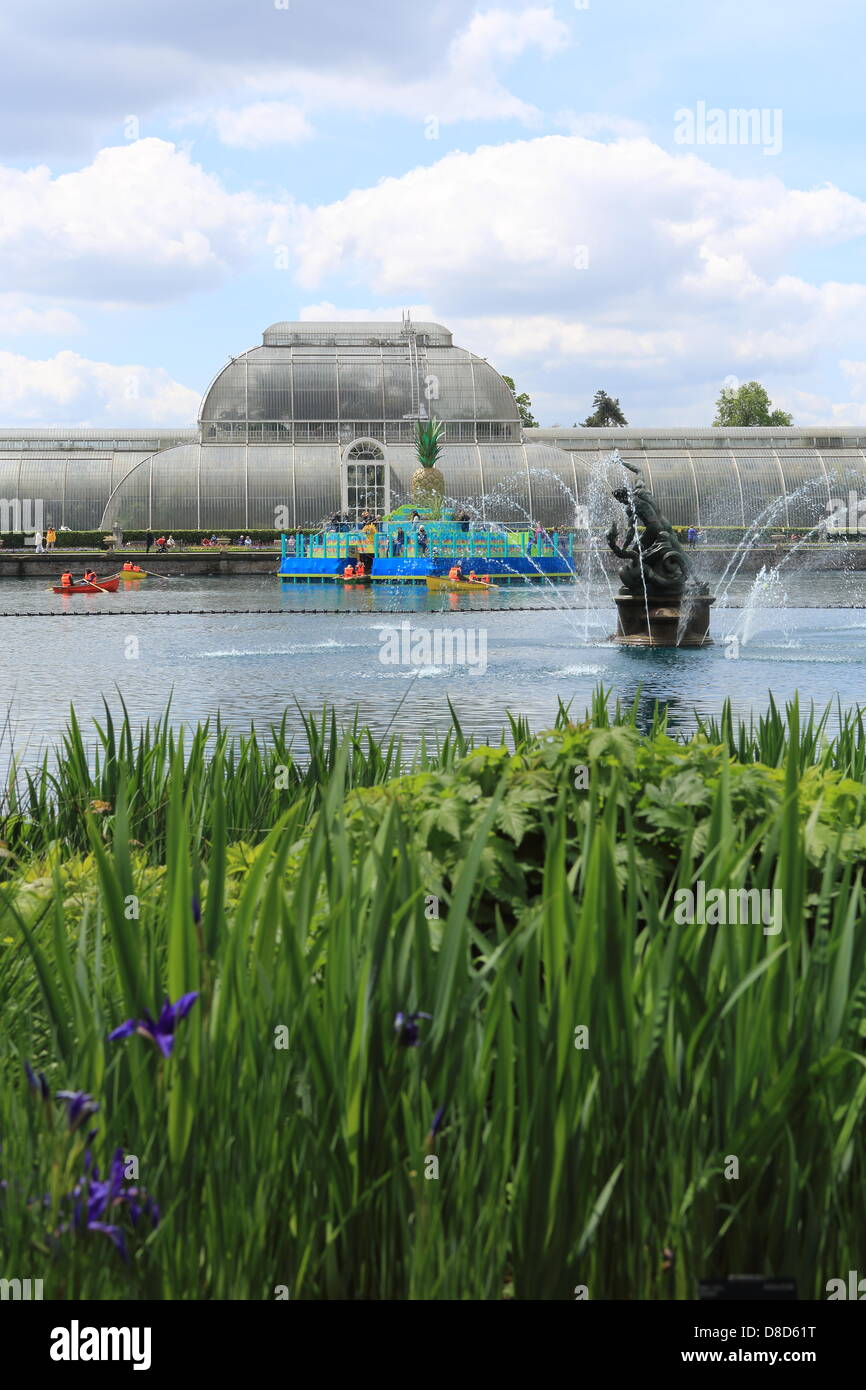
x=576 y=189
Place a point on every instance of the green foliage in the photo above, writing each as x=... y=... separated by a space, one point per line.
x=524 y=404
x=95 y=540
x=747 y=404
x=606 y=412
x=428 y=441
x=559 y=1165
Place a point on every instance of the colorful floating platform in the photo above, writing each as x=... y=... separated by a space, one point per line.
x=398 y=554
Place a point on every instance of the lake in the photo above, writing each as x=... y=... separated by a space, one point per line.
x=525 y=649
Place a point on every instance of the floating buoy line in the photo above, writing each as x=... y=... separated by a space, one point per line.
x=243 y=612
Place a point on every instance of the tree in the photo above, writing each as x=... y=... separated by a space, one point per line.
x=747 y=404
x=524 y=405
x=606 y=412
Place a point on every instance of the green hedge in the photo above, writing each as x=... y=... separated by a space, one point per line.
x=95 y=540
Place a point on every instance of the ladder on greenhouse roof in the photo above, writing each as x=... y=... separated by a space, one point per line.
x=420 y=412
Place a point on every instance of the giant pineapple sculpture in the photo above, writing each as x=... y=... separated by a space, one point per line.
x=428 y=483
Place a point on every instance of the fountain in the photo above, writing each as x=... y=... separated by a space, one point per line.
x=660 y=604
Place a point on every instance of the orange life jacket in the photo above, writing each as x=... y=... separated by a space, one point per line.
x=360 y=571
x=473 y=577
x=454 y=572
x=66 y=581
x=348 y=572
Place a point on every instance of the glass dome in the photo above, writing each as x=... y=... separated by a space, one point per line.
x=332 y=382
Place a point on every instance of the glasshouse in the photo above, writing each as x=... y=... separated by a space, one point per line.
x=321 y=418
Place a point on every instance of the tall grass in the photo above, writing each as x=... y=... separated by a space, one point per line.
x=560 y=1164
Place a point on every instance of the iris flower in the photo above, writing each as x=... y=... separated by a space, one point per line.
x=162 y=1031
x=79 y=1106
x=94 y=1199
x=37 y=1082
x=408 y=1032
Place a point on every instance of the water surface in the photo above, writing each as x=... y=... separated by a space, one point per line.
x=540 y=645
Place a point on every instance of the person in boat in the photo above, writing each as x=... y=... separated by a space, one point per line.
x=473 y=577
x=89 y=577
x=349 y=571
x=455 y=573
x=360 y=570
x=66 y=580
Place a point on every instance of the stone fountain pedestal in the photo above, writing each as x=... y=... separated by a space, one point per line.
x=688 y=614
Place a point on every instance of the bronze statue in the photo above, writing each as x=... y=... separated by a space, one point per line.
x=655 y=561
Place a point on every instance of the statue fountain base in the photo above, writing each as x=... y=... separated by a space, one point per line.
x=679 y=621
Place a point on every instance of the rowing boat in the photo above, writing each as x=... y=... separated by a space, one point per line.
x=359 y=579
x=102 y=586
x=440 y=583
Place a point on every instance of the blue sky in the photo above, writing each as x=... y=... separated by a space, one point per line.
x=174 y=177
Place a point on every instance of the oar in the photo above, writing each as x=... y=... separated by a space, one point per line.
x=133 y=574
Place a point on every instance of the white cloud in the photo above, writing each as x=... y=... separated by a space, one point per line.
x=325 y=312
x=812 y=408
x=105 y=59
x=856 y=374
x=140 y=223
x=17 y=318
x=261 y=123
x=564 y=255
x=594 y=124
x=510 y=219
x=69 y=389
x=464 y=85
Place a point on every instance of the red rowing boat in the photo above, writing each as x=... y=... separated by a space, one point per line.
x=103 y=586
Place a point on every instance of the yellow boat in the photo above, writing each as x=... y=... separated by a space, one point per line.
x=440 y=583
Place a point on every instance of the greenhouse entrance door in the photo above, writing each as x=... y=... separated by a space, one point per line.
x=365 y=480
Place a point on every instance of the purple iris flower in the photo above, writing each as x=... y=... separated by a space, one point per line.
x=162 y=1031
x=37 y=1081
x=196 y=909
x=80 y=1106
x=96 y=1199
x=408 y=1032
x=437 y=1120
